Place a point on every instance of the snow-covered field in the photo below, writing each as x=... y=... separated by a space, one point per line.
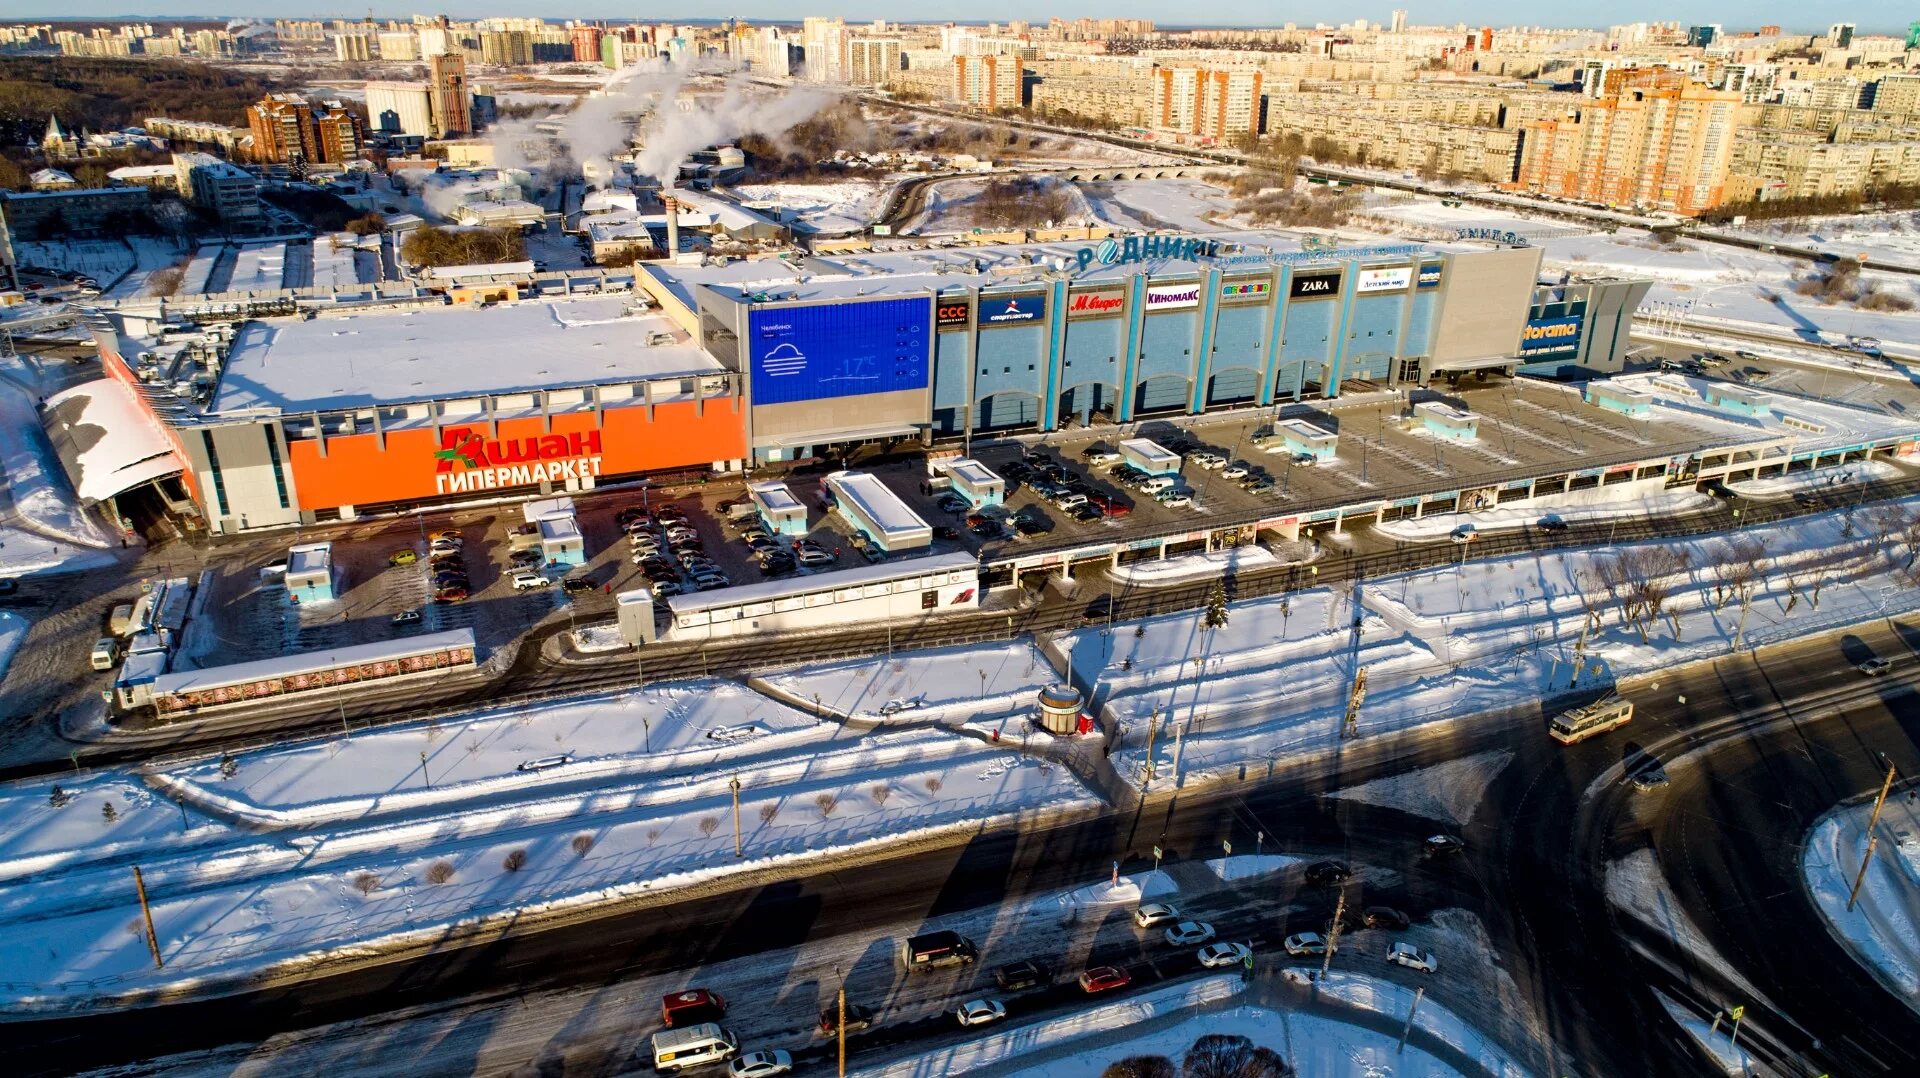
x=953 y=685
x=1883 y=928
x=954 y=206
x=1445 y=643
x=1885 y=237
x=1187 y=205
x=824 y=207
x=289 y=855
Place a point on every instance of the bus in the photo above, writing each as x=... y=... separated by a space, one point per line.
x=1610 y=712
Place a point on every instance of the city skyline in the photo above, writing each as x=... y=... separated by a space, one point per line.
x=1871 y=18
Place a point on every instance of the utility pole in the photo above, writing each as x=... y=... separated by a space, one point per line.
x=1350 y=726
x=424 y=777
x=735 y=786
x=1153 y=725
x=840 y=1030
x=1873 y=839
x=146 y=912
x=1333 y=931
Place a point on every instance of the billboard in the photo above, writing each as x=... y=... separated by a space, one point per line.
x=953 y=311
x=1551 y=336
x=1382 y=280
x=1012 y=310
x=1430 y=275
x=1172 y=297
x=838 y=350
x=1097 y=303
x=1252 y=291
x=1315 y=286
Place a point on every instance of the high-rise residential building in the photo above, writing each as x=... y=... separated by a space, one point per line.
x=871 y=60
x=988 y=83
x=1840 y=35
x=351 y=47
x=401 y=108
x=289 y=128
x=825 y=42
x=225 y=190
x=510 y=48
x=1897 y=93
x=399 y=45
x=586 y=43
x=448 y=95
x=1399 y=24
x=1201 y=101
x=1657 y=139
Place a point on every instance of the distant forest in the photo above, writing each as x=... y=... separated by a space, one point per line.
x=105 y=93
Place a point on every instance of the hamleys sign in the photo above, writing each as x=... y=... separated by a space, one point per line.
x=468 y=461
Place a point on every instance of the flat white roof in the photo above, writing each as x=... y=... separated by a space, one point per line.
x=774 y=496
x=971 y=471
x=1148 y=449
x=438 y=353
x=879 y=503
x=1300 y=428
x=859 y=576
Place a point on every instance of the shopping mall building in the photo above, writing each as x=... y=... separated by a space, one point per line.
x=342 y=411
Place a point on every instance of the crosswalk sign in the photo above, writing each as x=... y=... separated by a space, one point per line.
x=1737 y=1013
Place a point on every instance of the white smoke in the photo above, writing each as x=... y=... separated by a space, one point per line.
x=248 y=28
x=673 y=124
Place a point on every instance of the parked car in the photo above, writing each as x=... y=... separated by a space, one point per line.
x=526 y=579
x=1463 y=535
x=1551 y=524
x=406 y=556
x=763 y=1063
x=525 y=559
x=630 y=514
x=858 y=1018
x=1085 y=514
x=812 y=558
x=1302 y=944
x=979 y=1012
x=447 y=536
x=406 y=617
x=1237 y=469
x=1189 y=933
x=664 y=588
x=573 y=584
x=1104 y=979
x=1224 y=955
x=1442 y=845
x=1406 y=954
x=951 y=503
x=986 y=529
x=680 y=1009
x=1876 y=666
x=1174 y=499
x=1328 y=873
x=1019 y=976
x=1208 y=461
x=450 y=595
x=1385 y=917
x=1154 y=914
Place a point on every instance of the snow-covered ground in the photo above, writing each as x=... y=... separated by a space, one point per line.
x=822 y=207
x=1187 y=205
x=954 y=685
x=13 y=630
x=1779 y=486
x=1165 y=572
x=106 y=261
x=1883 y=928
x=1719 y=1045
x=1885 y=237
x=1446 y=643
x=285 y=856
x=1448 y=793
x=954 y=206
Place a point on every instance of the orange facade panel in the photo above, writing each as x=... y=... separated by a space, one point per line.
x=467 y=459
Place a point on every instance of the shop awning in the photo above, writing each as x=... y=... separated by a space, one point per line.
x=107 y=440
x=1478 y=363
x=841 y=437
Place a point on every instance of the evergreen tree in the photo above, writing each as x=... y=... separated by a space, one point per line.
x=1217 y=605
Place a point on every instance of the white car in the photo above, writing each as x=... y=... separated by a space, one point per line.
x=1178 y=499
x=1302 y=944
x=1406 y=954
x=527 y=578
x=1876 y=666
x=1101 y=460
x=1236 y=470
x=1209 y=461
x=979 y=1012
x=1189 y=933
x=1155 y=913
x=664 y=588
x=1463 y=534
x=761 y=1064
x=1224 y=955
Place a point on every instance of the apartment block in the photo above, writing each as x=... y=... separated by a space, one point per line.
x=225 y=190
x=1490 y=154
x=1659 y=141
x=1201 y=101
x=988 y=83
x=1114 y=100
x=291 y=129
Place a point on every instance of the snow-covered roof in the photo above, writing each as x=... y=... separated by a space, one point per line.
x=306 y=662
x=879 y=504
x=106 y=440
x=803 y=585
x=389 y=357
x=481 y=269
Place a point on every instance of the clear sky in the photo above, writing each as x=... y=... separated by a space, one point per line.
x=1796 y=15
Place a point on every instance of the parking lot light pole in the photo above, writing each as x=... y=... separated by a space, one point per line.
x=734 y=785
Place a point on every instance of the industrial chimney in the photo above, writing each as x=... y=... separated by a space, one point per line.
x=673 y=224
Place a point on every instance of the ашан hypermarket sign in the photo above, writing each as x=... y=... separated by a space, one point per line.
x=467 y=461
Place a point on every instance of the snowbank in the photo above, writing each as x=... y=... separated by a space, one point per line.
x=1152 y=573
x=13 y=631
x=1883 y=928
x=1720 y=1046
x=952 y=685
x=595 y=639
x=1394 y=1000
x=1572 y=509
x=1867 y=471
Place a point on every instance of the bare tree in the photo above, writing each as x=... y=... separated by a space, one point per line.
x=826 y=803
x=440 y=872
x=768 y=811
x=514 y=861
x=708 y=825
x=366 y=883
x=1225 y=1055
x=1141 y=1067
x=881 y=791
x=581 y=844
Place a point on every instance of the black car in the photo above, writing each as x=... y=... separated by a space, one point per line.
x=858 y=1018
x=1016 y=471
x=1084 y=513
x=946 y=533
x=1386 y=917
x=1020 y=976
x=577 y=583
x=986 y=529
x=1441 y=845
x=630 y=514
x=774 y=565
x=1029 y=526
x=1552 y=524
x=1328 y=873
x=949 y=503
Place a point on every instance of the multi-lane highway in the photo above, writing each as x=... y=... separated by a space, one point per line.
x=1757 y=749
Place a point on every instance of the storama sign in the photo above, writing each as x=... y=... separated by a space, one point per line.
x=1544 y=336
x=1170 y=297
x=1113 y=252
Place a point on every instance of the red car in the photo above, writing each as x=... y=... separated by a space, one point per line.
x=1104 y=979
x=691 y=1007
x=1112 y=507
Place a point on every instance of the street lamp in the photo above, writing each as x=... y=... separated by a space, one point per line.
x=734 y=785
